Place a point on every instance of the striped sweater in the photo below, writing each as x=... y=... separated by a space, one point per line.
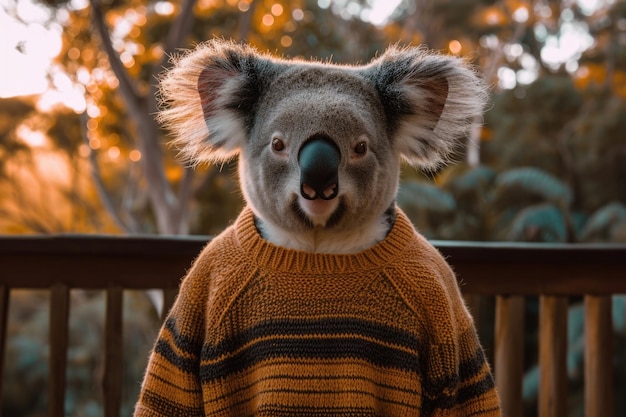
x=259 y=330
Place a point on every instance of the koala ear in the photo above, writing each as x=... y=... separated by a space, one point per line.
x=430 y=101
x=208 y=98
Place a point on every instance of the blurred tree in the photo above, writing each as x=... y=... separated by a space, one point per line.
x=516 y=42
x=558 y=102
x=558 y=70
x=37 y=173
x=114 y=51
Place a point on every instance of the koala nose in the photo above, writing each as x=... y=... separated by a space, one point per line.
x=319 y=160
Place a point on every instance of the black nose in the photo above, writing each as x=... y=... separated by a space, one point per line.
x=319 y=160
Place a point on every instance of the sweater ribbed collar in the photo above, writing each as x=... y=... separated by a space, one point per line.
x=268 y=255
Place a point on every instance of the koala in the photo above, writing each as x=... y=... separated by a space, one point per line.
x=322 y=299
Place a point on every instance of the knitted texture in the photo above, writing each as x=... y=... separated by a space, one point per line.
x=259 y=330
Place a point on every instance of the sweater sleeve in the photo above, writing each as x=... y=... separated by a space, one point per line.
x=458 y=378
x=171 y=385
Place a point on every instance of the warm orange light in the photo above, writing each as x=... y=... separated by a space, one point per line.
x=93 y=111
x=277 y=9
x=268 y=20
x=113 y=139
x=140 y=17
x=127 y=59
x=112 y=82
x=243 y=6
x=156 y=51
x=94 y=143
x=134 y=32
x=134 y=155
x=113 y=152
x=164 y=8
x=73 y=53
x=286 y=41
x=92 y=124
x=83 y=150
x=493 y=16
x=455 y=47
x=87 y=54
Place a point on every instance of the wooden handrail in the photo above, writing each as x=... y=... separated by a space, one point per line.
x=143 y=262
x=509 y=271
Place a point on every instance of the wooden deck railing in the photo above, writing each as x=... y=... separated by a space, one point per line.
x=508 y=272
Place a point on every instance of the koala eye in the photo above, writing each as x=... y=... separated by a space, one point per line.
x=360 y=148
x=278 y=145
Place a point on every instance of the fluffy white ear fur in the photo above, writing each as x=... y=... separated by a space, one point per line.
x=196 y=98
x=432 y=101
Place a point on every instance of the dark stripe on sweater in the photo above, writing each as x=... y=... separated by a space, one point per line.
x=310 y=348
x=303 y=411
x=471 y=367
x=468 y=369
x=166 y=407
x=460 y=396
x=352 y=345
x=188 y=365
x=182 y=342
x=314 y=327
x=449 y=391
x=476 y=389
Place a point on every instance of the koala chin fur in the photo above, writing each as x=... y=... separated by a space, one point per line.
x=223 y=99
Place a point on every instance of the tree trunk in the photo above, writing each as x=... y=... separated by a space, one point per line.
x=169 y=209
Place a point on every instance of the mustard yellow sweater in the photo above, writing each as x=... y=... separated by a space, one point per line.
x=259 y=330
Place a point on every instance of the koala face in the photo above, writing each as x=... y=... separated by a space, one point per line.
x=299 y=114
x=319 y=145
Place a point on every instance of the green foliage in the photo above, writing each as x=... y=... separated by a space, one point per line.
x=518 y=187
x=540 y=223
x=520 y=204
x=478 y=178
x=608 y=224
x=428 y=206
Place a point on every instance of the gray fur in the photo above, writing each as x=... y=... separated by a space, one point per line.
x=224 y=99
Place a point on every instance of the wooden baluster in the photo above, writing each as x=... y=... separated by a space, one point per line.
x=598 y=357
x=58 y=337
x=4 y=313
x=509 y=353
x=113 y=352
x=552 y=356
